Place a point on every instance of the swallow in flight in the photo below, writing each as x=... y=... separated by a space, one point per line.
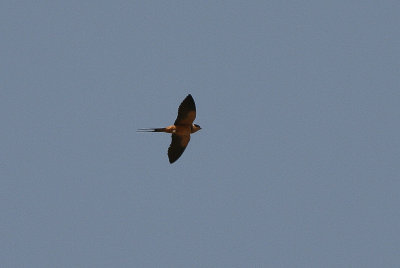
x=180 y=130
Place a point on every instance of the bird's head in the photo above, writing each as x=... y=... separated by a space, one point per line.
x=195 y=128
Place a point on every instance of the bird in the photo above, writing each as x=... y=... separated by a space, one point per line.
x=180 y=130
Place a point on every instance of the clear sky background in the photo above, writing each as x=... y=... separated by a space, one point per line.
x=297 y=164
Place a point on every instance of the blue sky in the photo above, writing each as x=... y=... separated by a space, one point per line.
x=297 y=164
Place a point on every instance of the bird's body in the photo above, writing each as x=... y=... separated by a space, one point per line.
x=181 y=129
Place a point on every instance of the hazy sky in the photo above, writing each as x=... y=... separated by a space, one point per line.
x=297 y=164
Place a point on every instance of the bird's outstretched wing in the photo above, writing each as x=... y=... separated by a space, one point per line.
x=177 y=146
x=186 y=112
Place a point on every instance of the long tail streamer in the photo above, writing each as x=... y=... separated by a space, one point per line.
x=150 y=130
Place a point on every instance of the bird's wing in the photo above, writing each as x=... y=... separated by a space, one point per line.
x=186 y=112
x=177 y=146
